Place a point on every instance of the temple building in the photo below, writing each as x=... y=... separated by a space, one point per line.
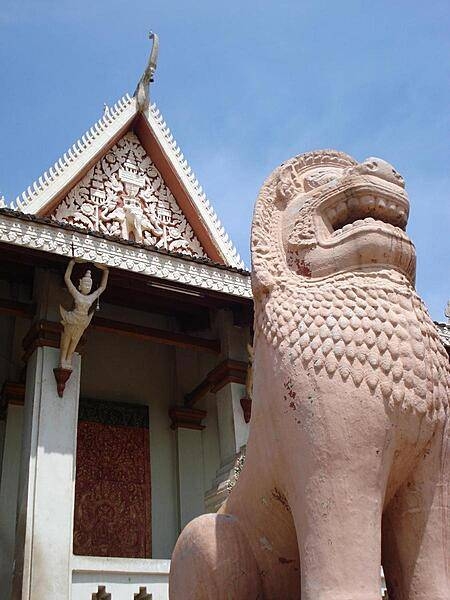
x=108 y=451
x=125 y=323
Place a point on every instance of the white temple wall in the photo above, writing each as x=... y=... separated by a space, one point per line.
x=210 y=437
x=114 y=367
x=46 y=486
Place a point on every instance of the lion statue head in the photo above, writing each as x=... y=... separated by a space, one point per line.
x=333 y=278
x=332 y=214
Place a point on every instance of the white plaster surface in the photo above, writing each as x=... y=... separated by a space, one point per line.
x=210 y=440
x=241 y=428
x=47 y=488
x=227 y=440
x=121 y=576
x=190 y=473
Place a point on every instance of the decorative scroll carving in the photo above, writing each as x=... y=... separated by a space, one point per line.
x=238 y=466
x=125 y=195
x=143 y=595
x=101 y=594
x=112 y=488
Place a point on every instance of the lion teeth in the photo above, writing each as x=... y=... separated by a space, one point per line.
x=366 y=210
x=370 y=221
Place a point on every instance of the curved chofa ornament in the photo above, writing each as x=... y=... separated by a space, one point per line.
x=76 y=321
x=348 y=459
x=142 y=92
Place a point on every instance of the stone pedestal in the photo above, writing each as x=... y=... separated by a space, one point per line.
x=229 y=389
x=45 y=514
x=233 y=435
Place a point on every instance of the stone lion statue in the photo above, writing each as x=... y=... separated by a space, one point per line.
x=348 y=460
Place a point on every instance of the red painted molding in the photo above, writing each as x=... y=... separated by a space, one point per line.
x=187 y=418
x=228 y=371
x=41 y=333
x=12 y=392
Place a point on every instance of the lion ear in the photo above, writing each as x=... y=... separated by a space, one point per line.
x=262 y=282
x=265 y=232
x=262 y=261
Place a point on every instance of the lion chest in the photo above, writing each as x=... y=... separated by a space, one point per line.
x=379 y=339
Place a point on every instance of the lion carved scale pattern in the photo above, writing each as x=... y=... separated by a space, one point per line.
x=347 y=461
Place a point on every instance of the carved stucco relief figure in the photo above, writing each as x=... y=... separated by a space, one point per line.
x=125 y=195
x=76 y=321
x=347 y=461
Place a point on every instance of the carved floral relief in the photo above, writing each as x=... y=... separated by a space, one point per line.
x=112 y=515
x=124 y=195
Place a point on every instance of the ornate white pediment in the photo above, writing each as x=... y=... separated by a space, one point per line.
x=124 y=195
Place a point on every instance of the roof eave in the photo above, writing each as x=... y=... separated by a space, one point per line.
x=194 y=191
x=43 y=194
x=36 y=233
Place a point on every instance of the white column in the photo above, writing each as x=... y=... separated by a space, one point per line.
x=47 y=482
x=233 y=434
x=188 y=430
x=233 y=430
x=8 y=496
x=190 y=474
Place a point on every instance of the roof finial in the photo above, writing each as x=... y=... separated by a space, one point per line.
x=142 y=90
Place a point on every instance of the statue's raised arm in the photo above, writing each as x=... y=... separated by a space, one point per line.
x=104 y=281
x=68 y=279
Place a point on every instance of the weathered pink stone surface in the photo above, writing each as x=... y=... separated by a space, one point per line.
x=348 y=459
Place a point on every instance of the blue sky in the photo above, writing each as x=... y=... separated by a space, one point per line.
x=244 y=86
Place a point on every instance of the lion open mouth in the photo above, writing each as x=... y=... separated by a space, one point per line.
x=346 y=214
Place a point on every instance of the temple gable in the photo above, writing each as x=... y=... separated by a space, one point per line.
x=124 y=195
